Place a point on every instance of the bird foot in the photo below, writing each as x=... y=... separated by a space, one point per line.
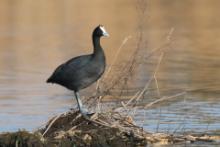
x=85 y=113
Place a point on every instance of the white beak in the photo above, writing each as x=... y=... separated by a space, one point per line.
x=106 y=34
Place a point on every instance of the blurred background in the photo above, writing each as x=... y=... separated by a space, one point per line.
x=37 y=36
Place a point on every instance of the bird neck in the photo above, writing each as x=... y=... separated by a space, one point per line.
x=96 y=44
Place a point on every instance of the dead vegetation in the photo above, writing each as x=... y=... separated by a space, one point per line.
x=116 y=126
x=100 y=130
x=110 y=129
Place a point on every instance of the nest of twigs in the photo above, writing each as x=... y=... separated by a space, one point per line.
x=109 y=129
x=100 y=129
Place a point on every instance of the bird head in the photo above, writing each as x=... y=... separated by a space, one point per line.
x=100 y=31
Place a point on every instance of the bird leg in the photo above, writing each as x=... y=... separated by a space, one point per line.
x=82 y=109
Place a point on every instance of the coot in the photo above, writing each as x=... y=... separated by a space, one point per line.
x=82 y=71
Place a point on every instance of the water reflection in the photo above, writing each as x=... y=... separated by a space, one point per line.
x=36 y=36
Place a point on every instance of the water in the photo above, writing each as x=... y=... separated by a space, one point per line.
x=37 y=36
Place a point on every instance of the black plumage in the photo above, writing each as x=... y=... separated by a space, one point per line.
x=82 y=71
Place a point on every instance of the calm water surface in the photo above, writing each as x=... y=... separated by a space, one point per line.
x=37 y=36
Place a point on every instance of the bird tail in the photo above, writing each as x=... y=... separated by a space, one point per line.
x=49 y=80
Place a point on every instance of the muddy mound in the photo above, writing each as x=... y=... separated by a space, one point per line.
x=103 y=129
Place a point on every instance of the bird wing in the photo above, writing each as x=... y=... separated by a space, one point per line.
x=69 y=67
x=78 y=62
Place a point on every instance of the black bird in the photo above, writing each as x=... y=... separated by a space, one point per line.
x=82 y=71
